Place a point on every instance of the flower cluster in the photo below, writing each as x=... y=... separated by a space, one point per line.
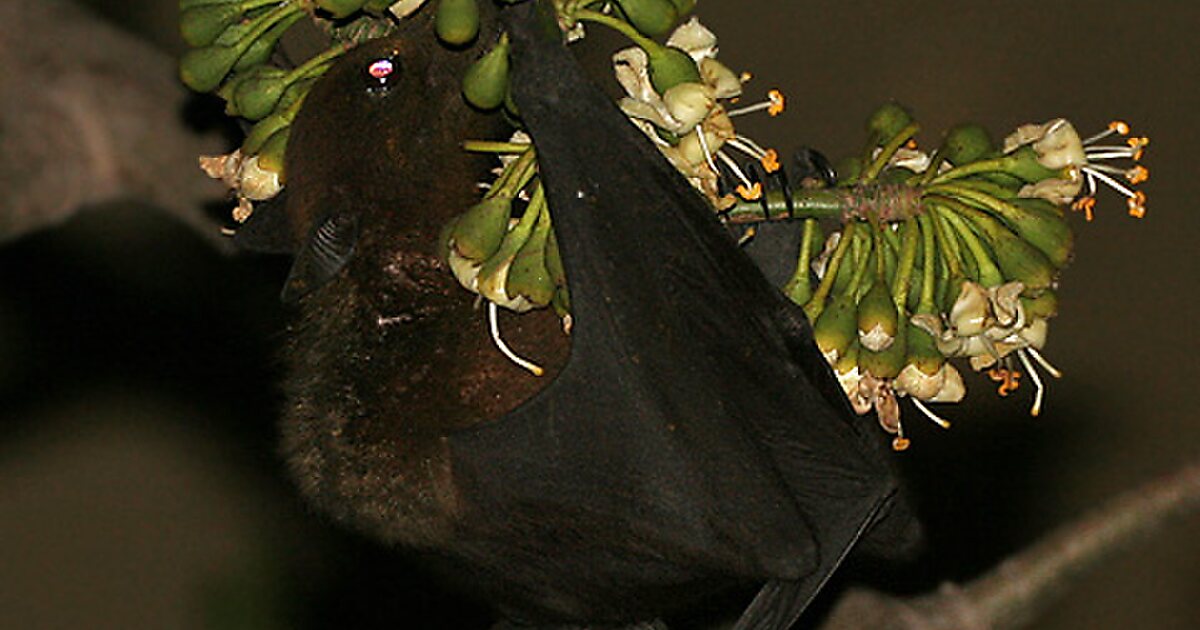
x=950 y=255
x=689 y=121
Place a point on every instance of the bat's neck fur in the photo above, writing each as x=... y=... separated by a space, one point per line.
x=392 y=355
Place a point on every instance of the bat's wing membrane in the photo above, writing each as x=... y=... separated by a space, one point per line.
x=695 y=431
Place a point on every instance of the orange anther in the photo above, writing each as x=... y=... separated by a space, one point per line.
x=911 y=144
x=1086 y=204
x=751 y=193
x=1137 y=205
x=1137 y=174
x=900 y=444
x=1119 y=126
x=777 y=102
x=770 y=161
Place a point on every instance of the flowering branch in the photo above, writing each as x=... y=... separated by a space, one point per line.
x=1014 y=593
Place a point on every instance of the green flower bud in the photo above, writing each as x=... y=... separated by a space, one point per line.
x=339 y=8
x=689 y=103
x=554 y=263
x=478 y=232
x=264 y=129
x=493 y=276
x=650 y=17
x=683 y=7
x=377 y=7
x=834 y=329
x=485 y=84
x=270 y=157
x=966 y=143
x=887 y=121
x=457 y=21
x=201 y=25
x=877 y=318
x=1042 y=306
x=669 y=67
x=256 y=95
x=528 y=276
x=887 y=362
x=203 y=69
x=1018 y=260
x=259 y=51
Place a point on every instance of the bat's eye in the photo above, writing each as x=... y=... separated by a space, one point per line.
x=381 y=74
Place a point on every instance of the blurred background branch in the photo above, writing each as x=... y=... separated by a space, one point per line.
x=1017 y=591
x=92 y=115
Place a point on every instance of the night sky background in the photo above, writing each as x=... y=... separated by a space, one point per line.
x=139 y=481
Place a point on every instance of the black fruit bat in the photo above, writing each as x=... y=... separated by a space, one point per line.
x=689 y=439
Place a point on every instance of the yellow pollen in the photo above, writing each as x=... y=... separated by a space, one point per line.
x=751 y=193
x=1086 y=204
x=777 y=102
x=1137 y=174
x=770 y=161
x=1119 y=126
x=745 y=77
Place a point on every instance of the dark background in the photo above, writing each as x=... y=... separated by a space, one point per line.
x=139 y=485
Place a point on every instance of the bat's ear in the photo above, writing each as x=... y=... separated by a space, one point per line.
x=322 y=256
x=268 y=230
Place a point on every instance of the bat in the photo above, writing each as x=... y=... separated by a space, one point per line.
x=688 y=439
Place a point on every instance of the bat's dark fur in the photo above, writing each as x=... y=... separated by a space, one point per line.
x=693 y=441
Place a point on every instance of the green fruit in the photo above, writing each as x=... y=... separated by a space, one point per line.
x=669 y=67
x=457 y=21
x=340 y=8
x=650 y=17
x=485 y=83
x=966 y=143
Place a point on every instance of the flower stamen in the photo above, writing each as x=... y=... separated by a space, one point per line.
x=933 y=417
x=494 y=327
x=1039 y=387
x=747 y=189
x=774 y=105
x=1046 y=365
